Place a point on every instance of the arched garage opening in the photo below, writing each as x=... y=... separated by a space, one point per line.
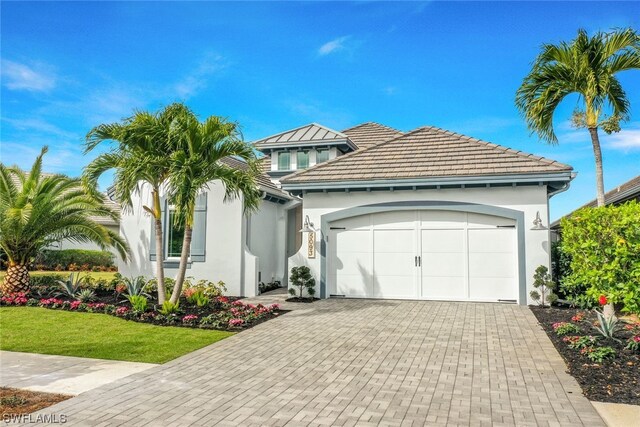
x=424 y=250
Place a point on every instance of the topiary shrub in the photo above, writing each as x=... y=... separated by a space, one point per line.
x=301 y=278
x=604 y=246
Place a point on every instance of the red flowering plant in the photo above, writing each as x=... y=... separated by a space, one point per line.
x=633 y=343
x=16 y=298
x=602 y=300
x=579 y=317
x=190 y=319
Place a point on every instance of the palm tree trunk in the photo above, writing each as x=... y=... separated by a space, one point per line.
x=157 y=216
x=597 y=152
x=160 y=262
x=16 y=279
x=182 y=269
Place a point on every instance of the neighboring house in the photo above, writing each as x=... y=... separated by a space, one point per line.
x=374 y=213
x=630 y=190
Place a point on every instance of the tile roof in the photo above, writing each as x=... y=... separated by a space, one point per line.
x=426 y=152
x=623 y=192
x=367 y=134
x=263 y=178
x=629 y=190
x=312 y=132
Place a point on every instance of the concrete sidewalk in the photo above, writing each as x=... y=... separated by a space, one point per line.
x=61 y=374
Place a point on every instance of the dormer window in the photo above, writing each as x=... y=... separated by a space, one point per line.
x=303 y=160
x=322 y=156
x=284 y=161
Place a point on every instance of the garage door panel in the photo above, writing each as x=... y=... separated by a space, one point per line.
x=438 y=219
x=491 y=265
x=354 y=241
x=354 y=285
x=394 y=241
x=476 y=220
x=358 y=222
x=443 y=240
x=443 y=265
x=444 y=287
x=492 y=240
x=398 y=219
x=492 y=289
x=395 y=286
x=354 y=263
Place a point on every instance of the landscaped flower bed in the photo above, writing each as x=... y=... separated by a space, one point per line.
x=607 y=369
x=222 y=313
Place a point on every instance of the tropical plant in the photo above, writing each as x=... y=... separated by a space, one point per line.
x=169 y=308
x=580 y=342
x=604 y=246
x=586 y=66
x=302 y=279
x=135 y=285
x=85 y=295
x=544 y=286
x=140 y=156
x=608 y=326
x=633 y=343
x=138 y=303
x=71 y=286
x=197 y=298
x=37 y=210
x=199 y=154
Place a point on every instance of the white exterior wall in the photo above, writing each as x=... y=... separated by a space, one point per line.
x=224 y=243
x=529 y=200
x=267 y=239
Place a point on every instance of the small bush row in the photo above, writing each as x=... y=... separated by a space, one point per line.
x=74 y=260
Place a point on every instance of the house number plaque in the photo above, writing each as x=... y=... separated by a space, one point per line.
x=311 y=245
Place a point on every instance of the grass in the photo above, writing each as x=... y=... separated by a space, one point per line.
x=98 y=336
x=96 y=275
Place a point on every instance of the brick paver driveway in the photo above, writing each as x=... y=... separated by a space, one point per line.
x=356 y=362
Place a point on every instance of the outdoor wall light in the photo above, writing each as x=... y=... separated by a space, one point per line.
x=307 y=227
x=537 y=223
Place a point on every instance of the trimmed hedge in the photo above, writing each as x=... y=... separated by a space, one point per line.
x=604 y=248
x=73 y=259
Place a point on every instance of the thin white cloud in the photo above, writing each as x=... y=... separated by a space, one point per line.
x=198 y=79
x=16 y=76
x=390 y=90
x=332 y=46
x=625 y=140
x=39 y=126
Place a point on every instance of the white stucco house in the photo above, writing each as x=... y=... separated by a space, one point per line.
x=374 y=213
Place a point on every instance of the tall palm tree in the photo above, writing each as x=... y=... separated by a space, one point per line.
x=586 y=66
x=37 y=210
x=198 y=159
x=139 y=155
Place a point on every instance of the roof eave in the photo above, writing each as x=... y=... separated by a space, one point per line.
x=541 y=178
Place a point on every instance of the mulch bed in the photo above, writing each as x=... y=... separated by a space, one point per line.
x=616 y=381
x=14 y=401
x=298 y=299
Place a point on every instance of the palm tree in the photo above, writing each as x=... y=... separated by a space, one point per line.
x=197 y=159
x=37 y=210
x=140 y=155
x=586 y=66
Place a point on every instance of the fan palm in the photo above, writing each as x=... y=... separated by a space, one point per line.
x=586 y=66
x=139 y=156
x=197 y=159
x=38 y=209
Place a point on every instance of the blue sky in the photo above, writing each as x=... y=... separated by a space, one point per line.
x=272 y=66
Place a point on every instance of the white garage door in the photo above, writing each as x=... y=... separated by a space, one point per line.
x=424 y=255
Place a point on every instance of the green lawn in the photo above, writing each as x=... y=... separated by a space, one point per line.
x=99 y=336
x=96 y=275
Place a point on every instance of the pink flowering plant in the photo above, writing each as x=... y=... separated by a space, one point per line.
x=565 y=328
x=17 y=298
x=633 y=343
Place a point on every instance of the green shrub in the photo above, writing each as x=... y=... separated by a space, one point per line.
x=169 y=308
x=49 y=259
x=599 y=354
x=302 y=279
x=604 y=246
x=138 y=303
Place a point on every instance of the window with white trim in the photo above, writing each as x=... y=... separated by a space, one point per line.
x=284 y=161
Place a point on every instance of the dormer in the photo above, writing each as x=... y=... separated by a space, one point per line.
x=303 y=147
